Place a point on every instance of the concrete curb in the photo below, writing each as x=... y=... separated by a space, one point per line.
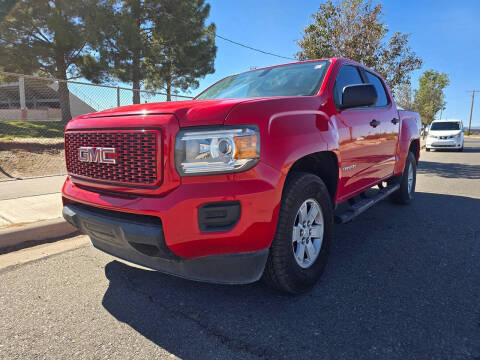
x=15 y=237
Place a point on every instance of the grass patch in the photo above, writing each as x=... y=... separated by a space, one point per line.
x=31 y=129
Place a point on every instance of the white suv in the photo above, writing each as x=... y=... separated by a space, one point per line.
x=445 y=134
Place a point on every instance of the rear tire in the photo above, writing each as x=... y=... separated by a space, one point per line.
x=300 y=248
x=427 y=149
x=406 y=192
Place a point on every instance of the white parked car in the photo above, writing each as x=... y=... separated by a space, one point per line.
x=445 y=134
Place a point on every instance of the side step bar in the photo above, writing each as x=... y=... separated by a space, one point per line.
x=364 y=204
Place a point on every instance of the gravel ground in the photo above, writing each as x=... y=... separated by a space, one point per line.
x=403 y=282
x=22 y=158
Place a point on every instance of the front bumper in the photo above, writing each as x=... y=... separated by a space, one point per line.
x=258 y=191
x=172 y=232
x=443 y=144
x=140 y=240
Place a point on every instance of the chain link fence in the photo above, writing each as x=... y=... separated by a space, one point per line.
x=33 y=114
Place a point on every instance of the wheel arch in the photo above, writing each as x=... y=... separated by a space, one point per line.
x=415 y=149
x=409 y=139
x=324 y=164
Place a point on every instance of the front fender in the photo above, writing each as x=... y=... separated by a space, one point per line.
x=290 y=128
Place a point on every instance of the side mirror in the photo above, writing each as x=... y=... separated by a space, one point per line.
x=358 y=95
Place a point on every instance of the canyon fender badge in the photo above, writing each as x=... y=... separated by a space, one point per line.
x=100 y=155
x=346 y=168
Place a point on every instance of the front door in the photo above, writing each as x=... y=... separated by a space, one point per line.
x=359 y=138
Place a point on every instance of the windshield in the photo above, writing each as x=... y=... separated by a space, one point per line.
x=303 y=79
x=445 y=125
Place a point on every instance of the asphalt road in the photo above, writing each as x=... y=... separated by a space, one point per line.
x=403 y=282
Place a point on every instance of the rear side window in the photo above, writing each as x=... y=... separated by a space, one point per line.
x=382 y=95
x=348 y=75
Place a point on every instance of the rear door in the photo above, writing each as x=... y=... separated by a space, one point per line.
x=386 y=113
x=359 y=140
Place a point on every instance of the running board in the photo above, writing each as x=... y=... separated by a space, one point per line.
x=364 y=204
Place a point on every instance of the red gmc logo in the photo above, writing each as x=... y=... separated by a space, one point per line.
x=97 y=155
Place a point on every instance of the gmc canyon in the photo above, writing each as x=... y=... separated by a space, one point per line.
x=246 y=180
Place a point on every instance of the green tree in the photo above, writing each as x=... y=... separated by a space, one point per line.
x=161 y=43
x=183 y=46
x=6 y=7
x=430 y=96
x=354 y=29
x=403 y=96
x=50 y=37
x=123 y=43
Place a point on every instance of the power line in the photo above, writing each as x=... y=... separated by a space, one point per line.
x=254 y=49
x=233 y=41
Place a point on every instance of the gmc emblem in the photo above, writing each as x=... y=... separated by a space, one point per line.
x=97 y=155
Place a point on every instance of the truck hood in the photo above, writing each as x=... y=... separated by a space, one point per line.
x=188 y=113
x=444 y=132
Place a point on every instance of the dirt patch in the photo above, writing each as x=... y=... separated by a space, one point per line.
x=20 y=158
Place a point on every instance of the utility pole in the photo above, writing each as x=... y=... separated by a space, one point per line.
x=471 y=111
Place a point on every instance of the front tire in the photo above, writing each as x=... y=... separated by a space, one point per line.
x=427 y=149
x=406 y=192
x=300 y=248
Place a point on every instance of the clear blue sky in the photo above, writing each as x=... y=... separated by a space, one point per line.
x=446 y=34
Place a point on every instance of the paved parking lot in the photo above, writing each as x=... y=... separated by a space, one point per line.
x=401 y=283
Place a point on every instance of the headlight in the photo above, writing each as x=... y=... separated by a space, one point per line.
x=432 y=136
x=457 y=136
x=223 y=150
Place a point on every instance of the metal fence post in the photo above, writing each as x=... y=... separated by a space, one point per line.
x=21 y=89
x=118 y=96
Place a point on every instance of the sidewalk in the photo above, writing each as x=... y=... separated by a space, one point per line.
x=422 y=143
x=31 y=210
x=13 y=189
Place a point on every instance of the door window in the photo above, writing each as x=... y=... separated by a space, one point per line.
x=381 y=94
x=348 y=75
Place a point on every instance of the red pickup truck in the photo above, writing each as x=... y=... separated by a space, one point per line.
x=245 y=181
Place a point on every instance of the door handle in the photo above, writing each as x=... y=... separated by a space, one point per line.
x=374 y=123
x=395 y=121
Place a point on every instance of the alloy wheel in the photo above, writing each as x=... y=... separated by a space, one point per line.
x=307 y=234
